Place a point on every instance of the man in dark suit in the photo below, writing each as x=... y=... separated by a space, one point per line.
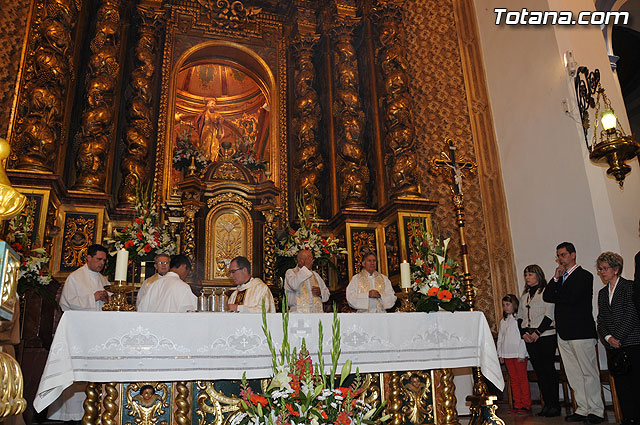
x=619 y=327
x=571 y=290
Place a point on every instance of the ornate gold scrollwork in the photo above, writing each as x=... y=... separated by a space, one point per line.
x=147 y=408
x=46 y=75
x=229 y=14
x=97 y=117
x=348 y=114
x=416 y=386
x=78 y=236
x=305 y=122
x=362 y=241
x=230 y=197
x=139 y=132
x=11 y=401
x=183 y=407
x=269 y=246
x=400 y=156
x=216 y=403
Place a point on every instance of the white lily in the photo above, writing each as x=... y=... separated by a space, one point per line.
x=281 y=380
x=446 y=243
x=440 y=258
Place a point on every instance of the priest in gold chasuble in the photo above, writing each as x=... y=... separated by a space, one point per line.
x=250 y=292
x=370 y=291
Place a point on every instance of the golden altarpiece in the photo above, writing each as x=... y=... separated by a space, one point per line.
x=281 y=98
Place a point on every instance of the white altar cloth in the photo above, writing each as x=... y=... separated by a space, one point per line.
x=132 y=347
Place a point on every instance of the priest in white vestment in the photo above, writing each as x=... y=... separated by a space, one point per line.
x=83 y=290
x=170 y=294
x=369 y=290
x=305 y=288
x=250 y=291
x=161 y=264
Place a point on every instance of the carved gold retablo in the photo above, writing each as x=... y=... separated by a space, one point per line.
x=11 y=201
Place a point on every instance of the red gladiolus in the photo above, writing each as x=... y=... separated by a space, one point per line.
x=17 y=246
x=323 y=414
x=292 y=232
x=147 y=248
x=139 y=235
x=324 y=242
x=325 y=250
x=291 y=411
x=342 y=419
x=128 y=244
x=433 y=292
x=445 y=295
x=138 y=220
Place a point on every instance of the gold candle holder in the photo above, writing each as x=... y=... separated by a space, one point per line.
x=406 y=305
x=118 y=301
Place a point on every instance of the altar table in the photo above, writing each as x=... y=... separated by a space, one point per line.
x=133 y=347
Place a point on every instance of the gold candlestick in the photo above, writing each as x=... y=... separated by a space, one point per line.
x=406 y=304
x=118 y=301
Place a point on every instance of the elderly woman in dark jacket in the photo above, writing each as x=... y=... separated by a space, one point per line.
x=619 y=327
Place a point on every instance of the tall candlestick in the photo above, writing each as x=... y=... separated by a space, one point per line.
x=405 y=275
x=121 y=265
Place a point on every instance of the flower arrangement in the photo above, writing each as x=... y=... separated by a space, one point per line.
x=302 y=393
x=307 y=236
x=143 y=238
x=184 y=152
x=34 y=259
x=434 y=274
x=245 y=154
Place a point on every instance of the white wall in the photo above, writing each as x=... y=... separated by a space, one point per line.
x=554 y=192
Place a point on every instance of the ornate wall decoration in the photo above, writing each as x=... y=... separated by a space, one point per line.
x=362 y=241
x=417 y=394
x=229 y=197
x=148 y=407
x=13 y=28
x=305 y=123
x=79 y=233
x=392 y=246
x=138 y=134
x=400 y=157
x=94 y=136
x=46 y=76
x=269 y=243
x=352 y=167
x=228 y=233
x=227 y=14
x=229 y=236
x=441 y=109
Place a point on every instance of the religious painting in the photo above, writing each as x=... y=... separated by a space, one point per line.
x=221 y=114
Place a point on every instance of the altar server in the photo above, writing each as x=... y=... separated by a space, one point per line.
x=305 y=288
x=250 y=291
x=370 y=291
x=83 y=290
x=170 y=294
x=162 y=263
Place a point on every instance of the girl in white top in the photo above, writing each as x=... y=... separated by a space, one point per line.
x=513 y=353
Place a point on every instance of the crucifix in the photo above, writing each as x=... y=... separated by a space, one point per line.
x=448 y=160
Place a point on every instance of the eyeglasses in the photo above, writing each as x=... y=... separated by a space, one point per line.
x=162 y=262
x=604 y=268
x=232 y=271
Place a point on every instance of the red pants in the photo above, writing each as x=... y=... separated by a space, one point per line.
x=519 y=383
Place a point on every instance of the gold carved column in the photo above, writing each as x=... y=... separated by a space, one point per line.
x=306 y=120
x=400 y=156
x=100 y=107
x=191 y=188
x=348 y=115
x=138 y=134
x=47 y=73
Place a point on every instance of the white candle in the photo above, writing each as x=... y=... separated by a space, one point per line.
x=405 y=275
x=121 y=265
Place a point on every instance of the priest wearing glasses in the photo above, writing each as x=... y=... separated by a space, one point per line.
x=250 y=291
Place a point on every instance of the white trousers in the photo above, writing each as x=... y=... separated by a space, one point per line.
x=581 y=367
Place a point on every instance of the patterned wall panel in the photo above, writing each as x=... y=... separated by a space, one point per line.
x=13 y=21
x=441 y=110
x=392 y=247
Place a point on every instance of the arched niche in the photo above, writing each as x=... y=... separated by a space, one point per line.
x=211 y=62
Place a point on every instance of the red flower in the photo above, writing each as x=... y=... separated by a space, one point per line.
x=324 y=242
x=138 y=220
x=325 y=250
x=316 y=230
x=292 y=232
x=344 y=391
x=342 y=419
x=432 y=292
x=147 y=248
x=291 y=411
x=258 y=399
x=128 y=244
x=445 y=295
x=125 y=228
x=139 y=235
x=323 y=414
x=17 y=246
